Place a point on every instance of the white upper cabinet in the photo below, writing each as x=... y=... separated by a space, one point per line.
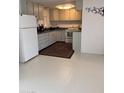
x=30 y=9
x=36 y=10
x=46 y=18
x=72 y=14
x=41 y=9
x=54 y=14
x=26 y=7
x=78 y=15
x=23 y=6
x=79 y=4
x=65 y=15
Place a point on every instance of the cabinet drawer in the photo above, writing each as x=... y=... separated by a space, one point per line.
x=43 y=40
x=43 y=36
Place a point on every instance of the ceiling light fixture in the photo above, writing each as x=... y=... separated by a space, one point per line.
x=65 y=6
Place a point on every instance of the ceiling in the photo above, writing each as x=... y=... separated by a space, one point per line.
x=53 y=3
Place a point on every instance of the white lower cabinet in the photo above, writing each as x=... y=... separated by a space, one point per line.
x=63 y=35
x=60 y=35
x=51 y=38
x=46 y=39
x=43 y=40
x=77 y=41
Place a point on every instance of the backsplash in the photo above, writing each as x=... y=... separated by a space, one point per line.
x=66 y=23
x=69 y=25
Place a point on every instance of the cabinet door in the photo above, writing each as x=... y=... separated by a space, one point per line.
x=23 y=6
x=62 y=35
x=51 y=37
x=62 y=14
x=58 y=35
x=30 y=7
x=40 y=12
x=79 y=4
x=56 y=14
x=36 y=10
x=51 y=14
x=46 y=17
x=43 y=40
x=54 y=36
x=77 y=41
x=66 y=14
x=78 y=15
x=72 y=14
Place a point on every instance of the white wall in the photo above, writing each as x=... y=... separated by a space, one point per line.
x=92 y=29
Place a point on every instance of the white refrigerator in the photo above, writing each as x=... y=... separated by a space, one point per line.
x=28 y=39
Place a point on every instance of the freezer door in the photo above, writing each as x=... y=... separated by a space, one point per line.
x=28 y=44
x=27 y=21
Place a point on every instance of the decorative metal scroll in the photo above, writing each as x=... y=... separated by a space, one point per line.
x=96 y=10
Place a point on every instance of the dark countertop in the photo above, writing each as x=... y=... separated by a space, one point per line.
x=46 y=31
x=73 y=30
x=77 y=31
x=61 y=29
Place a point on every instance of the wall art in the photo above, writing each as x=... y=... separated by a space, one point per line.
x=96 y=10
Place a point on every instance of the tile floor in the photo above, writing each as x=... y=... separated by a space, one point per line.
x=83 y=73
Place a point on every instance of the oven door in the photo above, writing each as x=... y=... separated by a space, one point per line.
x=69 y=35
